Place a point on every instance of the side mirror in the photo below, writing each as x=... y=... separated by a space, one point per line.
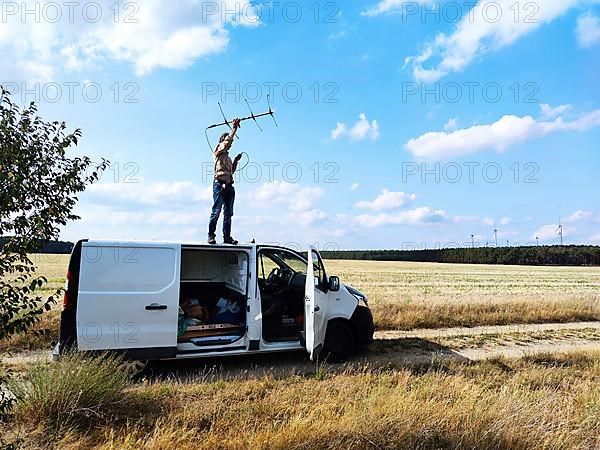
x=334 y=284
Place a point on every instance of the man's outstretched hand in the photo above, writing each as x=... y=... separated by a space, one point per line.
x=236 y=123
x=238 y=157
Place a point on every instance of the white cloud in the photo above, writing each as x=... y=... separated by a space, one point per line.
x=578 y=216
x=595 y=238
x=550 y=232
x=500 y=135
x=549 y=112
x=387 y=6
x=338 y=35
x=165 y=193
x=478 y=32
x=488 y=221
x=466 y=219
x=362 y=129
x=339 y=130
x=176 y=218
x=451 y=125
x=387 y=200
x=588 y=30
x=305 y=218
x=294 y=196
x=419 y=216
x=354 y=186
x=155 y=34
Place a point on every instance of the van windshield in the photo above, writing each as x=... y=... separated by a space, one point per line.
x=287 y=259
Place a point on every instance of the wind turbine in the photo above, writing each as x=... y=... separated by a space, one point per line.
x=537 y=241
x=560 y=231
x=472 y=241
x=496 y=236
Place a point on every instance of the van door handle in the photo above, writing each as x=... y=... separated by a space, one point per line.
x=156 y=307
x=317 y=308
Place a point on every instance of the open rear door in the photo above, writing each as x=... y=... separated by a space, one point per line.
x=314 y=305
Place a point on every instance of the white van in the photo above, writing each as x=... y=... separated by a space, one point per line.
x=153 y=301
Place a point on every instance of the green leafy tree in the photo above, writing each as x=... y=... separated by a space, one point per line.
x=39 y=185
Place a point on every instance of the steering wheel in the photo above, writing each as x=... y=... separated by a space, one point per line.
x=286 y=275
x=273 y=275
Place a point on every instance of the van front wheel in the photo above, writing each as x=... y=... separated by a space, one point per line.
x=134 y=367
x=340 y=342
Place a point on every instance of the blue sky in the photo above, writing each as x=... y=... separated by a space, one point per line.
x=401 y=124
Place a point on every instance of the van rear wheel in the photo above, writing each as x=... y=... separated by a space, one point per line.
x=340 y=342
x=134 y=367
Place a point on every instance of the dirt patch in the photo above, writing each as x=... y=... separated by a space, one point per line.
x=390 y=348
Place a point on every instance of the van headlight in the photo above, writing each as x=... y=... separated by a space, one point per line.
x=358 y=295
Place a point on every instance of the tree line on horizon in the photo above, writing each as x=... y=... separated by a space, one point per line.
x=555 y=255
x=51 y=247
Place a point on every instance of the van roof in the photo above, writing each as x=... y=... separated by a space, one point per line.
x=133 y=243
x=189 y=244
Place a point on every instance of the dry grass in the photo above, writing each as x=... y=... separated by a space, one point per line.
x=45 y=332
x=405 y=295
x=542 y=402
x=417 y=295
x=56 y=394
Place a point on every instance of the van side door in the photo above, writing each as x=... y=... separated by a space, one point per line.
x=315 y=305
x=129 y=298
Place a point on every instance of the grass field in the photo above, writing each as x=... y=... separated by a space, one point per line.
x=439 y=400
x=408 y=296
x=541 y=402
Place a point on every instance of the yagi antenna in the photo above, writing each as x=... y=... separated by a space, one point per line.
x=252 y=116
x=225 y=118
x=271 y=113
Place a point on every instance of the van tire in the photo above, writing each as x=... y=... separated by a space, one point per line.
x=135 y=367
x=340 y=342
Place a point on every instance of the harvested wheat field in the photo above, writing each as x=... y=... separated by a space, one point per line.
x=407 y=295
x=465 y=356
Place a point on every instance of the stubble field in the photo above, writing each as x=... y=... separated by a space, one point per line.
x=417 y=387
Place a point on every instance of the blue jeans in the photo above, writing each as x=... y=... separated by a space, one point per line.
x=223 y=199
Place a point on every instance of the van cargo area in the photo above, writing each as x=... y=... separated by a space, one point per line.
x=213 y=298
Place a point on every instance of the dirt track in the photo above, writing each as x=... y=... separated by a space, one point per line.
x=479 y=343
x=392 y=348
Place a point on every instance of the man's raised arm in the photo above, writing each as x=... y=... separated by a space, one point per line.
x=225 y=144
x=236 y=125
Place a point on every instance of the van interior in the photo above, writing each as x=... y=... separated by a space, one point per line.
x=213 y=297
x=281 y=280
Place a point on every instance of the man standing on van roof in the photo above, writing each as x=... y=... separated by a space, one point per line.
x=223 y=190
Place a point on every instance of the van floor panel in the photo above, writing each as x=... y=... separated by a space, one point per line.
x=220 y=331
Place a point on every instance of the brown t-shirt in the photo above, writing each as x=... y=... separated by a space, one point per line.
x=224 y=169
